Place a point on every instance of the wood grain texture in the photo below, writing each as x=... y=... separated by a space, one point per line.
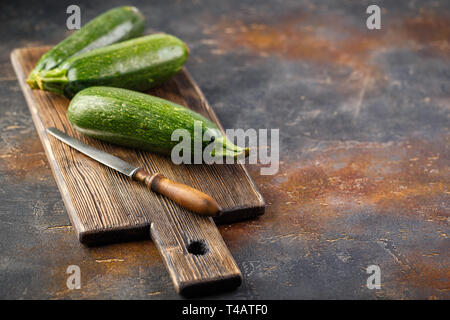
x=106 y=206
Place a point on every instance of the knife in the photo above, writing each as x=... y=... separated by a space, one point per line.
x=187 y=197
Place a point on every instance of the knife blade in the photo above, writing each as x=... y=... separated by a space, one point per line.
x=185 y=196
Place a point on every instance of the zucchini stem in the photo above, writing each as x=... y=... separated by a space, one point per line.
x=54 y=80
x=31 y=80
x=229 y=153
x=229 y=149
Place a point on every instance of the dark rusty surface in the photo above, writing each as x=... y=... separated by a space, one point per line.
x=364 y=166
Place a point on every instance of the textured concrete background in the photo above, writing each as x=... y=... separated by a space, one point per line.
x=364 y=168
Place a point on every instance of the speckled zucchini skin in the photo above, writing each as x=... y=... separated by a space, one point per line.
x=137 y=120
x=113 y=26
x=137 y=64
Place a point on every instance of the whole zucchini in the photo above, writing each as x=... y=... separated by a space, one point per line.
x=137 y=64
x=142 y=121
x=113 y=26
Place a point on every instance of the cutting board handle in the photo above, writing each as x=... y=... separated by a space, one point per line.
x=195 y=254
x=192 y=248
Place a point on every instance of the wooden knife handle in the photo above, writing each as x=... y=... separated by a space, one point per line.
x=187 y=197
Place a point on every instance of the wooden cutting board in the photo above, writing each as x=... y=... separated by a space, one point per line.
x=106 y=206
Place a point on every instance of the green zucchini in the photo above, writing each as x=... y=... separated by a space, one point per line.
x=113 y=26
x=141 y=121
x=137 y=64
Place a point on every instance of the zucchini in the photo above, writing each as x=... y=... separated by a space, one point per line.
x=113 y=26
x=142 y=121
x=137 y=64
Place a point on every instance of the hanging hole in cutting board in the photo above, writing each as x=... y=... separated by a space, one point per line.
x=198 y=247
